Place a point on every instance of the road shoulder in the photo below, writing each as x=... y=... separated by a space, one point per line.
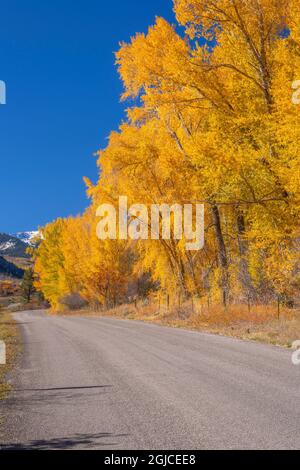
x=11 y=335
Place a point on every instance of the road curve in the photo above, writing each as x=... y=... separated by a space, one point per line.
x=102 y=383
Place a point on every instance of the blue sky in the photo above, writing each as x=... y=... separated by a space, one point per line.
x=63 y=99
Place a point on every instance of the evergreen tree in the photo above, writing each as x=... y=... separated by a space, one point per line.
x=27 y=285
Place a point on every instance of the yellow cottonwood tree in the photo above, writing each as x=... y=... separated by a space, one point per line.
x=212 y=121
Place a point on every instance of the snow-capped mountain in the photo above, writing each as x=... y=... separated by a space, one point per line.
x=12 y=246
x=26 y=237
x=16 y=245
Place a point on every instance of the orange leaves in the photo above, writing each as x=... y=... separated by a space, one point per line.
x=150 y=62
x=214 y=124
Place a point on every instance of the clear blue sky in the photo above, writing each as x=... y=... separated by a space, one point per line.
x=63 y=99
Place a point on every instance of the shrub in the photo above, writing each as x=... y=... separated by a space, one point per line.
x=73 y=301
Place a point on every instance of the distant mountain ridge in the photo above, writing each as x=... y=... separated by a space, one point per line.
x=26 y=237
x=9 y=269
x=12 y=246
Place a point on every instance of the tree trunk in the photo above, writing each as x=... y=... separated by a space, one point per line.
x=244 y=274
x=222 y=254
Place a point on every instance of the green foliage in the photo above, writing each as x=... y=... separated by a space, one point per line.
x=27 y=286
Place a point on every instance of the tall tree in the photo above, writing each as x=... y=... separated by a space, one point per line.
x=27 y=285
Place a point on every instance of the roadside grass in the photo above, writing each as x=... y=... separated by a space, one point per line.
x=261 y=323
x=10 y=334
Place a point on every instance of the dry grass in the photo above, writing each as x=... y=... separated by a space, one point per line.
x=10 y=334
x=261 y=323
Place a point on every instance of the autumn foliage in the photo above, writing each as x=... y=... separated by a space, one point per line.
x=211 y=120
